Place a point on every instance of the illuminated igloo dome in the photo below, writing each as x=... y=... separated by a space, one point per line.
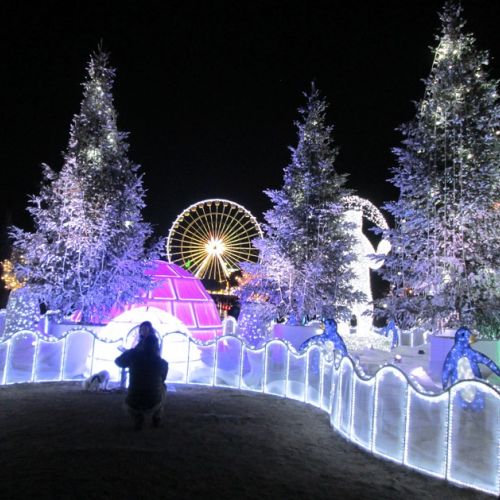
x=179 y=303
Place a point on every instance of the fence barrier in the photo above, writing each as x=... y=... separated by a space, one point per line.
x=454 y=435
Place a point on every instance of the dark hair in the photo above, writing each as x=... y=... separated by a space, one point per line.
x=147 y=324
x=151 y=345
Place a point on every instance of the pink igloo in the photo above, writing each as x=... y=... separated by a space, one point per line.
x=179 y=303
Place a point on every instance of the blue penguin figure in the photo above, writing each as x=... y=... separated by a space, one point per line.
x=462 y=363
x=392 y=328
x=329 y=335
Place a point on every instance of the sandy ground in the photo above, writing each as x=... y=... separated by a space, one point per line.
x=58 y=442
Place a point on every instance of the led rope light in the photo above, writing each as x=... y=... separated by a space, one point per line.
x=6 y=364
x=35 y=358
x=345 y=373
x=433 y=400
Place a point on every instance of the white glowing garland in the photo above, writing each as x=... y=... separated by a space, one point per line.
x=347 y=374
x=370 y=211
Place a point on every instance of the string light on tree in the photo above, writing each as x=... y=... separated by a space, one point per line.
x=88 y=251
x=446 y=247
x=9 y=277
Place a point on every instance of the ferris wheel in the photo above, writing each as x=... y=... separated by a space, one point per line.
x=210 y=238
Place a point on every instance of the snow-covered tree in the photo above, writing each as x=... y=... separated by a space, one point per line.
x=443 y=266
x=89 y=250
x=306 y=254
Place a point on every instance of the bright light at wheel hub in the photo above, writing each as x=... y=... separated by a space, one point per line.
x=215 y=247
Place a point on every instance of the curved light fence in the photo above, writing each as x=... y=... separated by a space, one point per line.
x=454 y=435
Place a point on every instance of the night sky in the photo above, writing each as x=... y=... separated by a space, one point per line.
x=209 y=90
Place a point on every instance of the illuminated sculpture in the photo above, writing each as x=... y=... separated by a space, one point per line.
x=392 y=328
x=356 y=209
x=462 y=363
x=178 y=303
x=210 y=239
x=330 y=337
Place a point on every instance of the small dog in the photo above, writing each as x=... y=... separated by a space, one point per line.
x=97 y=382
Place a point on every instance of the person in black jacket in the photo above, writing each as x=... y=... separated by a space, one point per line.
x=148 y=371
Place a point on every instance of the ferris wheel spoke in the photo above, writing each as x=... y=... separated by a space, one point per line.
x=228 y=223
x=241 y=246
x=236 y=238
x=234 y=230
x=238 y=251
x=247 y=232
x=192 y=247
x=198 y=255
x=189 y=233
x=224 y=219
x=195 y=265
x=232 y=261
x=219 y=272
x=186 y=240
x=223 y=266
x=238 y=242
x=213 y=270
x=201 y=223
x=207 y=224
x=219 y=217
x=211 y=221
x=242 y=256
x=201 y=231
x=214 y=222
x=191 y=252
x=204 y=263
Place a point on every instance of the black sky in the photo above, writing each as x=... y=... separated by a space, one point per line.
x=209 y=90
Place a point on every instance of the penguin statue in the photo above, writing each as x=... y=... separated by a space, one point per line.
x=330 y=335
x=392 y=328
x=462 y=363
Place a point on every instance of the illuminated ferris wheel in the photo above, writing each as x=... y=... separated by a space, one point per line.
x=210 y=238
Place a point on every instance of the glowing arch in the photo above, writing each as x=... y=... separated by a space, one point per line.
x=370 y=211
x=120 y=327
x=357 y=208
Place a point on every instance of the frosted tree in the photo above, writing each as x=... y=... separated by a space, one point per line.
x=445 y=247
x=306 y=254
x=89 y=250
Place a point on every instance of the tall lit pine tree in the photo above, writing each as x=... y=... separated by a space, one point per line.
x=306 y=253
x=89 y=248
x=445 y=247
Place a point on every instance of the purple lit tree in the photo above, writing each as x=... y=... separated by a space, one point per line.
x=443 y=266
x=89 y=248
x=305 y=256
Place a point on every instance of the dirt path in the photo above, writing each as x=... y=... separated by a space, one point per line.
x=57 y=442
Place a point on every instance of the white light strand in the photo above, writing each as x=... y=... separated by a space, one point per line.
x=314 y=391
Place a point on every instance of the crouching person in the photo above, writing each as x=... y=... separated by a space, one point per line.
x=147 y=374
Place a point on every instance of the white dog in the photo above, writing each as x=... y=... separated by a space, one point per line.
x=96 y=382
